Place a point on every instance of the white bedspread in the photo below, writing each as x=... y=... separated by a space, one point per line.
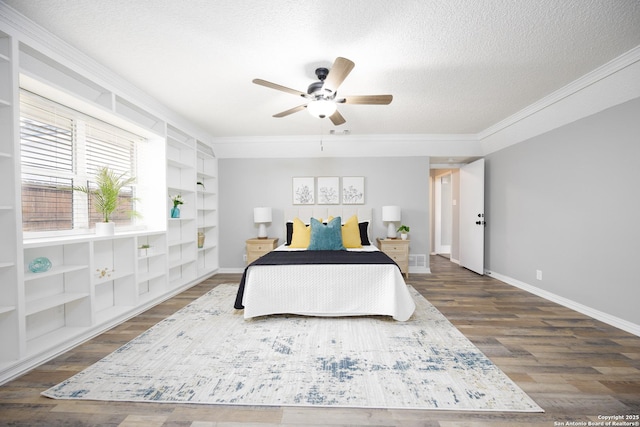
x=327 y=290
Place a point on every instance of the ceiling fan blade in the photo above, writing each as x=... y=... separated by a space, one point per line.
x=339 y=71
x=291 y=111
x=337 y=119
x=279 y=87
x=367 y=99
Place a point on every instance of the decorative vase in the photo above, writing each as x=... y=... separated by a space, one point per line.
x=200 y=240
x=403 y=236
x=175 y=212
x=105 y=228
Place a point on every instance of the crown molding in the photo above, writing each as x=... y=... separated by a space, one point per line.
x=555 y=99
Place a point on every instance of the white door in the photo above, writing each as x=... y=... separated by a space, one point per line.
x=472 y=216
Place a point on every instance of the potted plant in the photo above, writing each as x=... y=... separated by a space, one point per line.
x=404 y=231
x=106 y=197
x=177 y=201
x=143 y=250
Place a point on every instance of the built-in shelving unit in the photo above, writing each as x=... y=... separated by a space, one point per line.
x=11 y=315
x=181 y=232
x=57 y=301
x=151 y=266
x=113 y=277
x=207 y=203
x=96 y=282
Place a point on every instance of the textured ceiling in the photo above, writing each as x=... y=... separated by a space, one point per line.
x=453 y=66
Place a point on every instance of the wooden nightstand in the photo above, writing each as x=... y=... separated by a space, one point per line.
x=398 y=250
x=258 y=247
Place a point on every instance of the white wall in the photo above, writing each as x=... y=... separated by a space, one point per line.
x=566 y=203
x=248 y=183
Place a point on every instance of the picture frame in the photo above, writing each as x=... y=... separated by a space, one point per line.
x=353 y=190
x=328 y=190
x=303 y=190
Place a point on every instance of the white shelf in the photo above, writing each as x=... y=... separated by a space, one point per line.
x=179 y=164
x=55 y=270
x=7 y=309
x=145 y=277
x=53 y=339
x=6 y=264
x=181 y=242
x=151 y=255
x=46 y=303
x=180 y=262
x=108 y=314
x=112 y=276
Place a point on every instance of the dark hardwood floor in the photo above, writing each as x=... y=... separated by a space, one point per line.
x=576 y=368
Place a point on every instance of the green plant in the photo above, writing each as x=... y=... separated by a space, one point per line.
x=403 y=229
x=177 y=200
x=106 y=196
x=144 y=246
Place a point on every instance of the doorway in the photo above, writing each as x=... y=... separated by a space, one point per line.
x=443 y=214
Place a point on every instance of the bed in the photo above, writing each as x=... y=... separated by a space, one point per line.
x=292 y=279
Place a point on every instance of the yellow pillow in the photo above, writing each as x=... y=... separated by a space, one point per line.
x=351 y=233
x=301 y=234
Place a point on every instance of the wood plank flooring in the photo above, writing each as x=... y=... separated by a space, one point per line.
x=574 y=367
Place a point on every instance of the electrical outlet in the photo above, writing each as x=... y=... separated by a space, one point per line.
x=539 y=274
x=244 y=257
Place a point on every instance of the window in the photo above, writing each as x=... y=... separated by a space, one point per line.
x=60 y=149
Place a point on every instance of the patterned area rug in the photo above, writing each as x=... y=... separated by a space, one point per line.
x=207 y=353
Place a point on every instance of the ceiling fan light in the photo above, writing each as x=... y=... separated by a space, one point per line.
x=321 y=108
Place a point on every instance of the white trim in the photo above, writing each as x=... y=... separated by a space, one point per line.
x=611 y=84
x=617 y=322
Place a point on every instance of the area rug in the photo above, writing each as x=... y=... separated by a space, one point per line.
x=208 y=353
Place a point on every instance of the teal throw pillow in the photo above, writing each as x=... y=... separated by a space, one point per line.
x=326 y=237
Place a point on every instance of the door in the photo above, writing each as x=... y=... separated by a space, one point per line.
x=472 y=221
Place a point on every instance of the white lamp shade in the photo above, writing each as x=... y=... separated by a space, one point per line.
x=261 y=215
x=321 y=108
x=391 y=213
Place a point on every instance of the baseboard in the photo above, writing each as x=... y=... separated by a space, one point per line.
x=231 y=270
x=617 y=322
x=419 y=270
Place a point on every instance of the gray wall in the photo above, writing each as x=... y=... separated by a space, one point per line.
x=248 y=183
x=568 y=203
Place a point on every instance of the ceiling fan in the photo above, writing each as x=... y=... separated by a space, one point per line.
x=322 y=96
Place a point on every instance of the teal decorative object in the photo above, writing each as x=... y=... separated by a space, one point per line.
x=40 y=265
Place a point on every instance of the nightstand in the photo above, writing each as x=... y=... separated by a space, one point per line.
x=258 y=247
x=398 y=250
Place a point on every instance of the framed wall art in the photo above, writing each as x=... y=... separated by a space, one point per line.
x=303 y=191
x=328 y=190
x=353 y=190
